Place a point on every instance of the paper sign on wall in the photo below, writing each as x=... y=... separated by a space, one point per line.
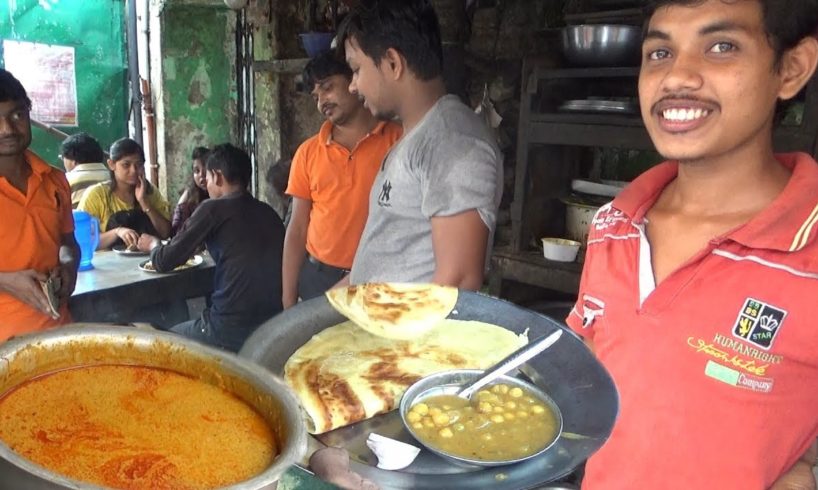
x=48 y=74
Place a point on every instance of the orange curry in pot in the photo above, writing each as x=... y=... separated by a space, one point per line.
x=132 y=427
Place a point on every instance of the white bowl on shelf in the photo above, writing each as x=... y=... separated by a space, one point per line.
x=560 y=249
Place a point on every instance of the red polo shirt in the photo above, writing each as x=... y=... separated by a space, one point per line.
x=717 y=367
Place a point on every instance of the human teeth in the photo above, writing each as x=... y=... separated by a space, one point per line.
x=684 y=114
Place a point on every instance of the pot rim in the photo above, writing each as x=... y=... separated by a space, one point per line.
x=261 y=379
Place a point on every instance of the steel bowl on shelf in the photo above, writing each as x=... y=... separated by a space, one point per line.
x=598 y=45
x=448 y=383
x=27 y=357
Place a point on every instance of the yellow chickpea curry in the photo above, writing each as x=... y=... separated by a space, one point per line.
x=501 y=423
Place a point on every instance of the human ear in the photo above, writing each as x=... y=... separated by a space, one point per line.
x=797 y=67
x=393 y=63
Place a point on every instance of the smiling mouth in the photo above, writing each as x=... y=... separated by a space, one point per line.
x=684 y=114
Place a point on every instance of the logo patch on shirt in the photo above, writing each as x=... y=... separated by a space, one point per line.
x=383 y=197
x=759 y=323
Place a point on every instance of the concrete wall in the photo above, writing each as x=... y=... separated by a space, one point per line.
x=95 y=28
x=194 y=78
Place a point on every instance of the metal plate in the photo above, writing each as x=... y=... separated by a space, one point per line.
x=569 y=373
x=192 y=262
x=596 y=105
x=123 y=250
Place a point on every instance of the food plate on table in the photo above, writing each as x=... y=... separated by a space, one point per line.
x=569 y=374
x=192 y=262
x=132 y=251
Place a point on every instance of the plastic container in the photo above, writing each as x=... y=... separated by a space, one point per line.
x=86 y=231
x=560 y=249
x=316 y=43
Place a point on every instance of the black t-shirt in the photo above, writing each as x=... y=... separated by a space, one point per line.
x=245 y=237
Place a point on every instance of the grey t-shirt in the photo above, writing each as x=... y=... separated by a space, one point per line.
x=448 y=164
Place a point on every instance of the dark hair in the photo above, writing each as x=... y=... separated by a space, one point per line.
x=196 y=194
x=232 y=162
x=786 y=22
x=323 y=66
x=12 y=90
x=410 y=27
x=278 y=175
x=200 y=153
x=82 y=148
x=119 y=150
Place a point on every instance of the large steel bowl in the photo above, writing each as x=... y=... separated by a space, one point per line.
x=30 y=356
x=602 y=45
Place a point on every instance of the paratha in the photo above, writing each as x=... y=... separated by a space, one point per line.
x=345 y=374
x=394 y=310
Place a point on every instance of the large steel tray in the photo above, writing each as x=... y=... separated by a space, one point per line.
x=568 y=372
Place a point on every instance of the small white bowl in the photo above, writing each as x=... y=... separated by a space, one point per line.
x=560 y=249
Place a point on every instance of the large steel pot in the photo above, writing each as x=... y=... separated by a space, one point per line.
x=26 y=357
x=602 y=45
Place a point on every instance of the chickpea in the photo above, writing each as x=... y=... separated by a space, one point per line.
x=427 y=422
x=446 y=433
x=511 y=405
x=459 y=427
x=483 y=393
x=435 y=411
x=485 y=407
x=522 y=414
x=498 y=410
x=495 y=389
x=417 y=425
x=413 y=417
x=440 y=419
x=498 y=419
x=537 y=409
x=504 y=389
x=421 y=409
x=509 y=416
x=515 y=392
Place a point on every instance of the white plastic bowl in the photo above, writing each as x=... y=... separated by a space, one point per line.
x=560 y=249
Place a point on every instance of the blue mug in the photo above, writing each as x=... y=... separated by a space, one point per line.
x=86 y=231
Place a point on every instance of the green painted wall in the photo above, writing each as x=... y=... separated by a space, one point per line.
x=95 y=28
x=199 y=84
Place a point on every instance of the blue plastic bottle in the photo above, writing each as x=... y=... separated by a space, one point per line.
x=86 y=231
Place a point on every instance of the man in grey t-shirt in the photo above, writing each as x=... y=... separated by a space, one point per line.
x=433 y=206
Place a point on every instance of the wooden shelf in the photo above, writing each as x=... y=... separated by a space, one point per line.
x=531 y=267
x=598 y=72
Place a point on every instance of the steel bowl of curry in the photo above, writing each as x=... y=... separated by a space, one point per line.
x=507 y=422
x=119 y=407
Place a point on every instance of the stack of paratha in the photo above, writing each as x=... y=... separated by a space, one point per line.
x=346 y=374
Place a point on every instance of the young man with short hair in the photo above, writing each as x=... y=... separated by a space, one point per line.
x=433 y=205
x=36 y=228
x=700 y=280
x=330 y=180
x=245 y=238
x=83 y=160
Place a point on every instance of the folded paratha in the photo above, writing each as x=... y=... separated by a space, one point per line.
x=394 y=310
x=345 y=374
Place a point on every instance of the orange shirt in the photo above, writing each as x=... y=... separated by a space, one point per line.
x=717 y=365
x=31 y=229
x=338 y=181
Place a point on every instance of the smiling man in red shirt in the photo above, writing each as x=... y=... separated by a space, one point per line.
x=700 y=282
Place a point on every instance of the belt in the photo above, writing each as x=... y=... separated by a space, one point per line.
x=320 y=265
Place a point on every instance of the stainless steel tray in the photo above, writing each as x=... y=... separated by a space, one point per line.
x=597 y=105
x=568 y=373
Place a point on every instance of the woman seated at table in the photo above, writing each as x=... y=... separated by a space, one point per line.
x=195 y=192
x=128 y=205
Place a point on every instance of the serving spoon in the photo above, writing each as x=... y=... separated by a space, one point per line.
x=514 y=360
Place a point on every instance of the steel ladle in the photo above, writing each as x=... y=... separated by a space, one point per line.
x=514 y=360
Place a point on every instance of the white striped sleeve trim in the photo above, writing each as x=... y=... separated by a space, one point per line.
x=608 y=236
x=765 y=263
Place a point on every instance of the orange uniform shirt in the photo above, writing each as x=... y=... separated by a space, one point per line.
x=338 y=181
x=717 y=366
x=31 y=229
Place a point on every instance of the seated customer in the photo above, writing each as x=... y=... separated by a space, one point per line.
x=83 y=160
x=195 y=192
x=245 y=237
x=128 y=205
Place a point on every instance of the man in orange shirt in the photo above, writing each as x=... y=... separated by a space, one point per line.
x=330 y=181
x=37 y=227
x=699 y=286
